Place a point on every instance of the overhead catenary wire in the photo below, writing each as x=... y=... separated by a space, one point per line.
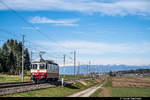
x=37 y=49
x=45 y=35
x=38 y=30
x=18 y=36
x=11 y=33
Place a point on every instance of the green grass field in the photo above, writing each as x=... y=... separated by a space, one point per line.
x=123 y=92
x=95 y=94
x=72 y=76
x=130 y=92
x=4 y=78
x=108 y=83
x=56 y=92
x=50 y=92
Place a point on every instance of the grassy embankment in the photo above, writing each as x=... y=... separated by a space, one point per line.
x=108 y=83
x=72 y=76
x=58 y=91
x=4 y=78
x=50 y=92
x=130 y=92
x=110 y=91
x=98 y=90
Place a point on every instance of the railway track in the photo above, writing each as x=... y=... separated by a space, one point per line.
x=14 y=84
x=24 y=88
x=10 y=88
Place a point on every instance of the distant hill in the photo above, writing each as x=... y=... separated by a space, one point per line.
x=101 y=68
x=137 y=71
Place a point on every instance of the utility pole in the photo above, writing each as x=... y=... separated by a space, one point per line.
x=99 y=71
x=90 y=68
x=78 y=70
x=31 y=57
x=87 y=70
x=22 y=58
x=74 y=63
x=102 y=71
x=64 y=64
x=95 y=71
x=31 y=60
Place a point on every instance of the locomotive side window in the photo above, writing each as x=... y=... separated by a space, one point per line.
x=55 y=67
x=34 y=66
x=48 y=66
x=51 y=67
x=42 y=66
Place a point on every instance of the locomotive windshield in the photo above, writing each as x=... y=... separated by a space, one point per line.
x=34 y=66
x=42 y=66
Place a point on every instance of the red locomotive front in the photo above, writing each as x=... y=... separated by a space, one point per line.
x=44 y=71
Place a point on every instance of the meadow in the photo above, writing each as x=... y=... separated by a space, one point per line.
x=4 y=78
x=60 y=91
x=125 y=87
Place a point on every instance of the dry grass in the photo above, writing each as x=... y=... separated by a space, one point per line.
x=135 y=80
x=98 y=80
x=82 y=82
x=105 y=92
x=126 y=87
x=131 y=82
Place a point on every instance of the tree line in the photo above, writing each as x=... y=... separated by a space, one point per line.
x=11 y=57
x=137 y=71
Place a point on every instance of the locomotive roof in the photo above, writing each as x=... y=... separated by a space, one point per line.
x=46 y=61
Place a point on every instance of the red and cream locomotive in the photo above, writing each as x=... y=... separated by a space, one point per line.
x=45 y=70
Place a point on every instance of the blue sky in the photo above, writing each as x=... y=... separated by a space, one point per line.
x=103 y=31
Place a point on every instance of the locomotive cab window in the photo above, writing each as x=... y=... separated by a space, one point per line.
x=42 y=66
x=34 y=66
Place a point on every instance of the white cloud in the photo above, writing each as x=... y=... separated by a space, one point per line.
x=86 y=47
x=44 y=20
x=118 y=61
x=114 y=7
x=87 y=50
x=30 y=28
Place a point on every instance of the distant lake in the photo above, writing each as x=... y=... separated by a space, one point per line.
x=99 y=68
